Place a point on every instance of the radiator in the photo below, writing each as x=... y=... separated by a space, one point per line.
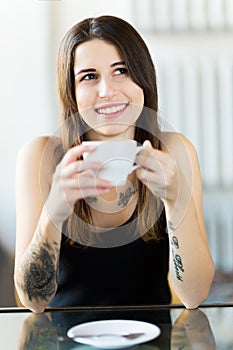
x=195 y=84
x=218 y=211
x=170 y=15
x=197 y=99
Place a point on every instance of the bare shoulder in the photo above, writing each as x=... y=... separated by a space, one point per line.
x=178 y=145
x=39 y=155
x=37 y=145
x=185 y=156
x=175 y=140
x=40 y=149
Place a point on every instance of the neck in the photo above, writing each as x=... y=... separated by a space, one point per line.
x=115 y=207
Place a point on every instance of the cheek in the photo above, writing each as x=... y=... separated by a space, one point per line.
x=141 y=97
x=138 y=95
x=83 y=98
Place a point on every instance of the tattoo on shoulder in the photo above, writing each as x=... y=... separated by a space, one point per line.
x=178 y=265
x=125 y=197
x=40 y=273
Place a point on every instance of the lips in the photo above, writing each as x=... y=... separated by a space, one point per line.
x=111 y=110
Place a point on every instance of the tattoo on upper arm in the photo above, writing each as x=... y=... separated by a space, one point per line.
x=125 y=197
x=40 y=272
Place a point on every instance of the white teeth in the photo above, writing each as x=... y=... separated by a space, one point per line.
x=110 y=110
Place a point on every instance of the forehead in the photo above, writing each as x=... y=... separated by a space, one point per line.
x=96 y=51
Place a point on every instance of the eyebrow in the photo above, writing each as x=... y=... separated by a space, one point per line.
x=86 y=70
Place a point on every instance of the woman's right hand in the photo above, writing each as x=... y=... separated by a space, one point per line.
x=74 y=179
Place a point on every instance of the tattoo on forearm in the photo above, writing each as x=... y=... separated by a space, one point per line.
x=125 y=197
x=91 y=200
x=178 y=265
x=40 y=272
x=175 y=242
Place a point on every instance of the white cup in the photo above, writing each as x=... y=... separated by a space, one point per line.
x=118 y=157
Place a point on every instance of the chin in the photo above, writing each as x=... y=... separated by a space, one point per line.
x=124 y=131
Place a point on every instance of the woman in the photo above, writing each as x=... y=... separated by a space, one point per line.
x=107 y=87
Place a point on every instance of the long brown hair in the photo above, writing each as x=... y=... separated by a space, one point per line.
x=141 y=70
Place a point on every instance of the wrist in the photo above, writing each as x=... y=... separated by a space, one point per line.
x=57 y=211
x=175 y=213
x=53 y=216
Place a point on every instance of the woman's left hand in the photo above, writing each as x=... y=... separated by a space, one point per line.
x=158 y=171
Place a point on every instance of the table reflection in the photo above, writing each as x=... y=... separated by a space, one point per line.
x=190 y=330
x=37 y=332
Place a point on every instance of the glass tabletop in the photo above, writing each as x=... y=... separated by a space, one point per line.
x=207 y=328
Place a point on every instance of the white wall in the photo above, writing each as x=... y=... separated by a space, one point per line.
x=26 y=105
x=26 y=92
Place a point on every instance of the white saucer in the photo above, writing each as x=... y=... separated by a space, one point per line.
x=149 y=330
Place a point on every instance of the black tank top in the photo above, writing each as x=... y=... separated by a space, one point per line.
x=129 y=274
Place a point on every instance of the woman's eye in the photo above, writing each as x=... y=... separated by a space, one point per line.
x=122 y=70
x=89 y=76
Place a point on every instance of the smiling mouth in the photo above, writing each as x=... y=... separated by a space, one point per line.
x=109 y=111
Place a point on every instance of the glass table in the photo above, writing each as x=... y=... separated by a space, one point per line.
x=208 y=327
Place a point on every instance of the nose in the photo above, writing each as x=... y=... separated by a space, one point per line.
x=106 y=89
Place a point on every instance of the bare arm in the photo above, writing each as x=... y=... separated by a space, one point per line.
x=191 y=265
x=37 y=237
x=174 y=176
x=45 y=197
